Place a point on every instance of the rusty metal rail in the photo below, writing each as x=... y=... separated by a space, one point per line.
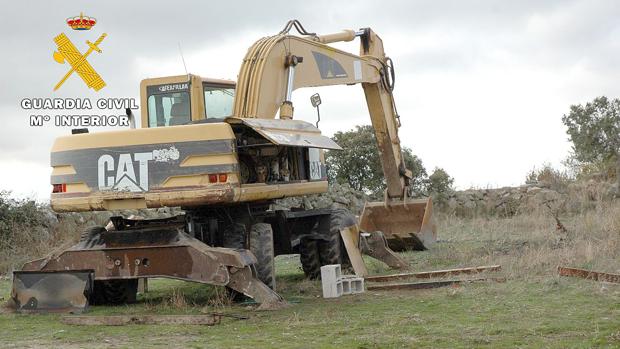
x=121 y=320
x=432 y=274
x=428 y=284
x=589 y=274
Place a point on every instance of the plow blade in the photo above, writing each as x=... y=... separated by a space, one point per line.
x=51 y=291
x=406 y=225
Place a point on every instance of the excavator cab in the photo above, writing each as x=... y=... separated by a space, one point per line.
x=185 y=99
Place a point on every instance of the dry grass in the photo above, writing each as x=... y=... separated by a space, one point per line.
x=177 y=300
x=29 y=243
x=531 y=245
x=534 y=308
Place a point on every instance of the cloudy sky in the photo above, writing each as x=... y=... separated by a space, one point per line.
x=481 y=86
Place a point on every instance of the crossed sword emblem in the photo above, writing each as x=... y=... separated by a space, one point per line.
x=68 y=52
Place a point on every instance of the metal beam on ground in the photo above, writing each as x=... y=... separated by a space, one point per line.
x=589 y=274
x=432 y=274
x=427 y=284
x=121 y=320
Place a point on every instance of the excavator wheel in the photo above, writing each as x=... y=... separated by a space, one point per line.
x=261 y=245
x=234 y=236
x=333 y=251
x=114 y=292
x=309 y=257
x=316 y=253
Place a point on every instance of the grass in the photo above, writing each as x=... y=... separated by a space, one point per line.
x=534 y=308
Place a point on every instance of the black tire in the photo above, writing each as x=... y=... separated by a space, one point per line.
x=261 y=245
x=91 y=236
x=114 y=292
x=316 y=253
x=234 y=236
x=309 y=257
x=333 y=251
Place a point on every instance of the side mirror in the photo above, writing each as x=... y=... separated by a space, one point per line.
x=315 y=99
x=132 y=119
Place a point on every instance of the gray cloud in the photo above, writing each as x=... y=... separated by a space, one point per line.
x=458 y=40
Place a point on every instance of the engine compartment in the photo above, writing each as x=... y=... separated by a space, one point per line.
x=262 y=161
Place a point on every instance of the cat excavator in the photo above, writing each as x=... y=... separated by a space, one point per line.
x=223 y=151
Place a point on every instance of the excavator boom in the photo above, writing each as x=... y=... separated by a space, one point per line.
x=275 y=66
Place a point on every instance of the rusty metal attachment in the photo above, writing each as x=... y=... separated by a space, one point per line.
x=51 y=291
x=371 y=244
x=589 y=274
x=428 y=284
x=382 y=282
x=407 y=225
x=121 y=320
x=375 y=245
x=138 y=249
x=433 y=274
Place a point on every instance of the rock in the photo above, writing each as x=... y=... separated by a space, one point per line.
x=452 y=203
x=470 y=205
x=533 y=190
x=342 y=200
x=306 y=203
x=615 y=189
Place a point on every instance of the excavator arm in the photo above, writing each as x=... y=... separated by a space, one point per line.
x=275 y=66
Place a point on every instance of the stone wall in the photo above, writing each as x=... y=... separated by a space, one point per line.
x=506 y=201
x=337 y=196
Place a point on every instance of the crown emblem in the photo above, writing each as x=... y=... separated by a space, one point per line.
x=81 y=22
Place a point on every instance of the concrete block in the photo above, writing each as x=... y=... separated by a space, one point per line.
x=346 y=286
x=330 y=280
x=335 y=284
x=332 y=290
x=331 y=272
x=352 y=284
x=357 y=285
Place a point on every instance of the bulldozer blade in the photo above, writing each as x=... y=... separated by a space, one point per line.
x=51 y=291
x=407 y=225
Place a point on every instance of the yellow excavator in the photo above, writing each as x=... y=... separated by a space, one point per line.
x=223 y=151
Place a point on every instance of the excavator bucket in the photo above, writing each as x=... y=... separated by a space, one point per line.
x=407 y=225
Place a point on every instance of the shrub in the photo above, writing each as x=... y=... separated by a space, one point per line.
x=440 y=185
x=549 y=177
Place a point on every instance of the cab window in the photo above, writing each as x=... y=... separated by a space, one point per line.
x=218 y=101
x=169 y=109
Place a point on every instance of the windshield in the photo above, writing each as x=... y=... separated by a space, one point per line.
x=218 y=101
x=168 y=104
x=169 y=109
